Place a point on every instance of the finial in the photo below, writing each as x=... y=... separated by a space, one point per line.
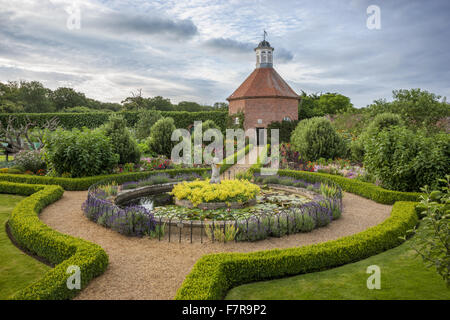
x=264 y=35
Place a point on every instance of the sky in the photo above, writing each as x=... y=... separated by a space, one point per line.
x=201 y=50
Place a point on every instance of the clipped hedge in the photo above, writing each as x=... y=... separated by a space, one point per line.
x=59 y=249
x=95 y=119
x=214 y=274
x=77 y=184
x=363 y=189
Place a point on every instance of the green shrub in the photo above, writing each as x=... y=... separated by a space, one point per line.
x=316 y=138
x=59 y=249
x=405 y=160
x=433 y=243
x=383 y=121
x=147 y=118
x=31 y=160
x=77 y=184
x=80 y=153
x=285 y=130
x=160 y=137
x=122 y=142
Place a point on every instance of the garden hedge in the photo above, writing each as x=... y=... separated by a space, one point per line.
x=77 y=184
x=59 y=249
x=363 y=189
x=214 y=274
x=95 y=119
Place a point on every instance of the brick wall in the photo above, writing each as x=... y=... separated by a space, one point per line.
x=266 y=109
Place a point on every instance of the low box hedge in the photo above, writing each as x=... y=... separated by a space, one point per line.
x=59 y=249
x=214 y=274
x=77 y=184
x=363 y=189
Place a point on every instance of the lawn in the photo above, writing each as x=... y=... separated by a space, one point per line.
x=403 y=276
x=17 y=269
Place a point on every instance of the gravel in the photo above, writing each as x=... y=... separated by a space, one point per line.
x=144 y=268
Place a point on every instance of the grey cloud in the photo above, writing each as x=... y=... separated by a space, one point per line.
x=229 y=44
x=281 y=54
x=142 y=24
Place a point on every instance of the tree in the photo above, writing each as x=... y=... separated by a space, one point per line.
x=35 y=97
x=67 y=98
x=147 y=118
x=135 y=102
x=160 y=103
x=188 y=106
x=160 y=136
x=14 y=136
x=306 y=106
x=419 y=107
x=332 y=103
x=122 y=142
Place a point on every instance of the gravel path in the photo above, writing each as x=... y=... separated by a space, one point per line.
x=143 y=268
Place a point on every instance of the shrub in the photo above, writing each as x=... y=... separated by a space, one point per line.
x=316 y=138
x=76 y=184
x=122 y=142
x=59 y=249
x=147 y=118
x=383 y=121
x=31 y=160
x=432 y=243
x=160 y=136
x=285 y=130
x=404 y=160
x=80 y=153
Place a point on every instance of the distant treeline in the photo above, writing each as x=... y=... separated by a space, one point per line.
x=33 y=97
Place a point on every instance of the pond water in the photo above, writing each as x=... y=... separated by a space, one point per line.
x=151 y=201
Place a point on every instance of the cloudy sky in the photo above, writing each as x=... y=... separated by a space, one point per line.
x=202 y=50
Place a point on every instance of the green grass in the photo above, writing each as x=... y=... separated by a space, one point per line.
x=17 y=270
x=403 y=276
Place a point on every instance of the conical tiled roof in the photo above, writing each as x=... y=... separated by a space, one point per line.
x=264 y=83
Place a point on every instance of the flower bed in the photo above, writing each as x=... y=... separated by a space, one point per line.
x=198 y=192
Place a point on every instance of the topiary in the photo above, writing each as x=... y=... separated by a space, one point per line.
x=316 y=138
x=160 y=136
x=122 y=142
